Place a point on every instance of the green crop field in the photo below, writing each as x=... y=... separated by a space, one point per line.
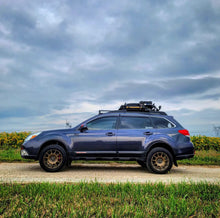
x=207 y=149
x=15 y=140
x=110 y=200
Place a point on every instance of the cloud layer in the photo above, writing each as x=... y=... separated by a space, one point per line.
x=67 y=59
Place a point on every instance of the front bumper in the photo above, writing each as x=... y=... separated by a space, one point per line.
x=25 y=154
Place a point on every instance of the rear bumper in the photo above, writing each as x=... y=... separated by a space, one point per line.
x=185 y=151
x=184 y=156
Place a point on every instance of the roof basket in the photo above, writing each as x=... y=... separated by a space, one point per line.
x=143 y=106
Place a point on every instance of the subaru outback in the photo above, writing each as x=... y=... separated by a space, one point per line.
x=136 y=131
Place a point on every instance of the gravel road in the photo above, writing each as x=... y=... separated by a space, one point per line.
x=107 y=173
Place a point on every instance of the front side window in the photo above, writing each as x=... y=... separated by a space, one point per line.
x=135 y=123
x=161 y=123
x=102 y=123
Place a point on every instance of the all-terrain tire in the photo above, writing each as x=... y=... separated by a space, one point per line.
x=53 y=158
x=159 y=160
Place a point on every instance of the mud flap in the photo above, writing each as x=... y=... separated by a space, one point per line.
x=175 y=163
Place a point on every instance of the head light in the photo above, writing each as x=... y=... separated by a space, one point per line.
x=31 y=136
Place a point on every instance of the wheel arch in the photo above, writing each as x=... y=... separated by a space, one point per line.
x=51 y=142
x=163 y=145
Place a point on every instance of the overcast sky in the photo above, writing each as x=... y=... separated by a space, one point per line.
x=67 y=59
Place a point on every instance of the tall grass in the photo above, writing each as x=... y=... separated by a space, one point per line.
x=210 y=157
x=110 y=200
x=206 y=143
x=12 y=140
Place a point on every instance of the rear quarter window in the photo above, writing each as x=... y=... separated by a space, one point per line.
x=161 y=123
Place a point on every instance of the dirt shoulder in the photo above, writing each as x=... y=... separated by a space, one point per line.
x=107 y=173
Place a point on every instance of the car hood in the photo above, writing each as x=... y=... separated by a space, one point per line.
x=59 y=131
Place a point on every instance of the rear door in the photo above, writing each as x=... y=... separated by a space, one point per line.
x=132 y=134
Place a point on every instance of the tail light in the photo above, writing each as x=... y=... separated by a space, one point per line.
x=184 y=132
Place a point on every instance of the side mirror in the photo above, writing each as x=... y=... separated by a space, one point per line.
x=83 y=127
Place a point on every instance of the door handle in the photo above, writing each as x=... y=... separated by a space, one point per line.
x=110 y=134
x=148 y=133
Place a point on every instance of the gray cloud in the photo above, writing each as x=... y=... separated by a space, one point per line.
x=164 y=90
x=56 y=54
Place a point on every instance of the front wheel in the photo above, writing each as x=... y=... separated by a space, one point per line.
x=53 y=158
x=159 y=160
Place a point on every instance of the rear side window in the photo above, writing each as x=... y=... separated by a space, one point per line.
x=135 y=123
x=161 y=123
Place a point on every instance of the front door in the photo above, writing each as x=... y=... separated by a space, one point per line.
x=99 y=140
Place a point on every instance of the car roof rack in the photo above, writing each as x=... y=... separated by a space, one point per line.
x=104 y=111
x=142 y=106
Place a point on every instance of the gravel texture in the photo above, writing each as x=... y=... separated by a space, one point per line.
x=106 y=173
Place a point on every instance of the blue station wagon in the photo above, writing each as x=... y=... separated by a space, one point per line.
x=137 y=131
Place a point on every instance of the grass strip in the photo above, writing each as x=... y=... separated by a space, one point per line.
x=210 y=157
x=110 y=200
x=12 y=155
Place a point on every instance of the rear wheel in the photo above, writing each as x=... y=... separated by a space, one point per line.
x=53 y=158
x=159 y=160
